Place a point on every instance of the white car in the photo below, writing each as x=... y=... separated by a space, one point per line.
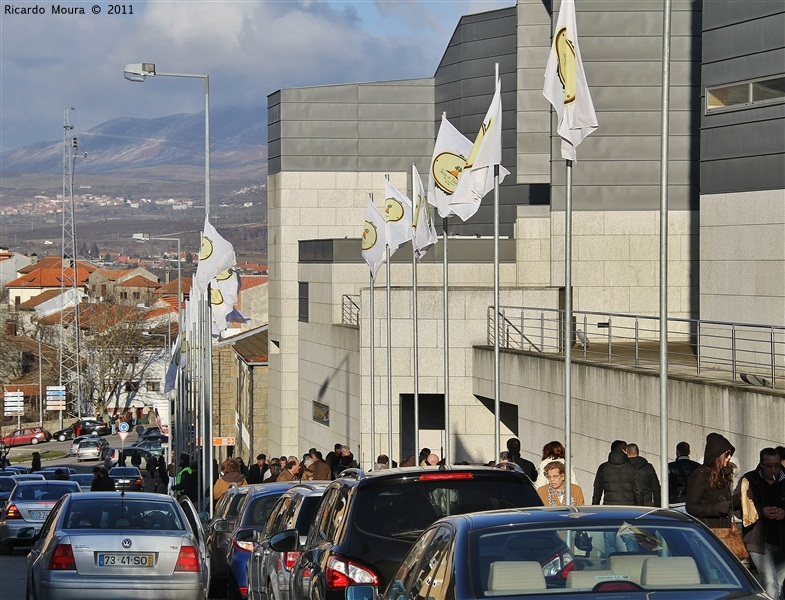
x=78 y=440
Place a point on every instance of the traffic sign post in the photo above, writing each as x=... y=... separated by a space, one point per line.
x=55 y=399
x=122 y=432
x=14 y=406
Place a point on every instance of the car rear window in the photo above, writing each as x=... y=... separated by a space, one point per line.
x=403 y=511
x=7 y=484
x=124 y=472
x=47 y=492
x=257 y=510
x=307 y=514
x=122 y=514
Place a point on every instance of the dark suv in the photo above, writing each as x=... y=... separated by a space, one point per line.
x=366 y=523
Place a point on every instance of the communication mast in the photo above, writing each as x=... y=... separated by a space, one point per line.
x=70 y=368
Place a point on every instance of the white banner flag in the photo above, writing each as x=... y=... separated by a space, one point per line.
x=216 y=255
x=450 y=152
x=374 y=242
x=398 y=217
x=422 y=220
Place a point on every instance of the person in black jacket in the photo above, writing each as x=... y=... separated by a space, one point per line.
x=616 y=481
x=257 y=471
x=709 y=487
x=514 y=448
x=102 y=481
x=647 y=477
x=678 y=473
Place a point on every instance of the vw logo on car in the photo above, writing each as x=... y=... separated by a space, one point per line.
x=126 y=543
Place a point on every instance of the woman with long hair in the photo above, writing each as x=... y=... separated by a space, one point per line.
x=709 y=487
x=550 y=452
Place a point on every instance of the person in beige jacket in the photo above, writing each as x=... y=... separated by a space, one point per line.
x=231 y=474
x=553 y=494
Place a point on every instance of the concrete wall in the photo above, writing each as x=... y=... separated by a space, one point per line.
x=611 y=402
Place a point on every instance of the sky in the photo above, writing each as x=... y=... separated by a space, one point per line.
x=249 y=48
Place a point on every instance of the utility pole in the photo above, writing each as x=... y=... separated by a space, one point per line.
x=70 y=368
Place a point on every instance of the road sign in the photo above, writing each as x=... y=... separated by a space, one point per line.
x=123 y=428
x=55 y=406
x=13 y=404
x=223 y=441
x=123 y=434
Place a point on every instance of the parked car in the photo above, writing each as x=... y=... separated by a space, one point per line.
x=27 y=507
x=69 y=470
x=366 y=523
x=219 y=534
x=78 y=440
x=87 y=425
x=539 y=552
x=90 y=449
x=127 y=479
x=268 y=572
x=29 y=477
x=254 y=512
x=7 y=485
x=26 y=435
x=132 y=546
x=153 y=447
x=9 y=470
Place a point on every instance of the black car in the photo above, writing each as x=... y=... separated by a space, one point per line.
x=128 y=479
x=219 y=533
x=88 y=426
x=366 y=523
x=589 y=552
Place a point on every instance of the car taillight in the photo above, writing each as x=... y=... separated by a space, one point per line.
x=63 y=558
x=289 y=558
x=244 y=546
x=342 y=573
x=243 y=590
x=139 y=482
x=12 y=512
x=188 y=560
x=445 y=475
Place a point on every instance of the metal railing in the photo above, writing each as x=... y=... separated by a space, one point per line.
x=350 y=310
x=754 y=353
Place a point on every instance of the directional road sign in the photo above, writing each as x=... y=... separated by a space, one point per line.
x=123 y=428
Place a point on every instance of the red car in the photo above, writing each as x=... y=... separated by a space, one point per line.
x=27 y=435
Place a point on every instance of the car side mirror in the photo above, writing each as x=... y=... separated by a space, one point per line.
x=361 y=592
x=244 y=535
x=221 y=526
x=285 y=541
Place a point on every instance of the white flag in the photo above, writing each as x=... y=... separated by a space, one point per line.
x=224 y=290
x=215 y=256
x=476 y=180
x=422 y=220
x=374 y=239
x=450 y=152
x=398 y=217
x=565 y=84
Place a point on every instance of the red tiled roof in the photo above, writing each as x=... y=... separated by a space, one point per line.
x=47 y=278
x=55 y=262
x=138 y=281
x=171 y=287
x=251 y=281
x=41 y=298
x=114 y=274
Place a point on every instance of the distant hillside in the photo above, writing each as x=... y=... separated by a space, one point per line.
x=237 y=137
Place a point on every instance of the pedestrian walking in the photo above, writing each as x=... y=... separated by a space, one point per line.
x=36 y=464
x=679 y=472
x=257 y=471
x=709 y=487
x=650 y=487
x=762 y=498
x=321 y=471
x=231 y=474
x=616 y=481
x=102 y=482
x=553 y=493
x=514 y=448
x=289 y=472
x=551 y=451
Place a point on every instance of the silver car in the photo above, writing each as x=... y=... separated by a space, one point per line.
x=268 y=572
x=27 y=507
x=91 y=449
x=130 y=545
x=78 y=440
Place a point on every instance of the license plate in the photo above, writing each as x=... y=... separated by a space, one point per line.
x=125 y=559
x=38 y=514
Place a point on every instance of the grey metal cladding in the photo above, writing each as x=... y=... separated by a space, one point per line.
x=742 y=149
x=461 y=251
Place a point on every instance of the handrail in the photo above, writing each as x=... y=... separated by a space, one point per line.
x=350 y=310
x=705 y=348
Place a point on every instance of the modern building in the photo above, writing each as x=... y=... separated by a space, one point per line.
x=330 y=146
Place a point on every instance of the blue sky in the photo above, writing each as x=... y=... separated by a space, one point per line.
x=249 y=48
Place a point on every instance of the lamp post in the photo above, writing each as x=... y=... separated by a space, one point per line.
x=143 y=237
x=138 y=72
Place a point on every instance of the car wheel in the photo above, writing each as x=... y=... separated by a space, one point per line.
x=6 y=548
x=61 y=438
x=34 y=441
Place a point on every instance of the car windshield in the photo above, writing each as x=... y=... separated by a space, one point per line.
x=46 y=491
x=527 y=560
x=7 y=484
x=109 y=514
x=404 y=511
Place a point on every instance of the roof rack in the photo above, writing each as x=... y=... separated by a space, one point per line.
x=358 y=474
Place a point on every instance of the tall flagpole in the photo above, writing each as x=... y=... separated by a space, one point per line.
x=373 y=380
x=496 y=387
x=415 y=344
x=666 y=53
x=446 y=456
x=389 y=366
x=568 y=335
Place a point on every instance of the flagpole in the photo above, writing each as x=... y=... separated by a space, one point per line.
x=568 y=335
x=415 y=345
x=666 y=38
x=208 y=403
x=389 y=365
x=496 y=391
x=373 y=380
x=446 y=457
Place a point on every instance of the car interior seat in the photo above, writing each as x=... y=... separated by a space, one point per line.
x=515 y=576
x=672 y=571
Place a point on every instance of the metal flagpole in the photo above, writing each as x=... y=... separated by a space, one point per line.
x=373 y=380
x=446 y=456
x=568 y=336
x=389 y=366
x=208 y=403
x=496 y=390
x=415 y=343
x=666 y=37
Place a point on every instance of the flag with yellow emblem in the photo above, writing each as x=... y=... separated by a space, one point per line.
x=374 y=239
x=215 y=256
x=422 y=220
x=398 y=217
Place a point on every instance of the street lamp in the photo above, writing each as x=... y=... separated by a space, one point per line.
x=138 y=72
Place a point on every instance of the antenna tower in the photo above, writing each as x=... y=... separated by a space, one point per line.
x=70 y=368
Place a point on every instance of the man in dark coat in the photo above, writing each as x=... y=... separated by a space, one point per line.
x=616 y=481
x=257 y=470
x=102 y=481
x=679 y=472
x=762 y=494
x=514 y=448
x=332 y=456
x=647 y=476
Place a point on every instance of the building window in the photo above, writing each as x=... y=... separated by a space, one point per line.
x=746 y=94
x=321 y=413
x=153 y=386
x=303 y=302
x=124 y=295
x=137 y=295
x=131 y=386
